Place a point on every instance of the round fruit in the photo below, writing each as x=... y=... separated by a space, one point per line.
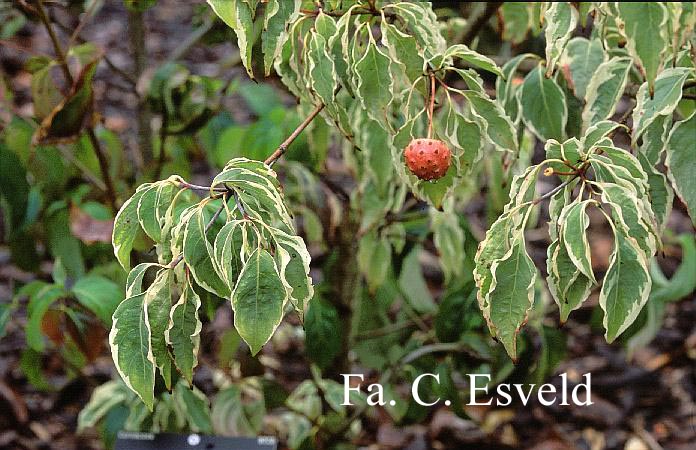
x=428 y=159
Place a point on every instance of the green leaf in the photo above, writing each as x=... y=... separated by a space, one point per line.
x=195 y=405
x=103 y=399
x=472 y=58
x=561 y=20
x=375 y=84
x=495 y=124
x=257 y=300
x=198 y=254
x=229 y=250
x=516 y=19
x=374 y=259
x=403 y=50
x=239 y=16
x=448 y=238
x=583 y=57
x=626 y=284
x=323 y=332
x=568 y=286
x=134 y=282
x=232 y=417
x=681 y=162
x=38 y=304
x=99 y=295
x=158 y=304
x=126 y=228
x=659 y=190
x=293 y=260
x=495 y=245
x=413 y=285
x=543 y=106
x=644 y=27
x=605 y=90
x=668 y=92
x=130 y=348
x=574 y=223
x=183 y=333
x=512 y=294
x=152 y=207
x=323 y=78
x=278 y=14
x=505 y=89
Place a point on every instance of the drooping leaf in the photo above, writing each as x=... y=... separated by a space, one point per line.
x=472 y=58
x=375 y=84
x=126 y=228
x=512 y=294
x=644 y=27
x=198 y=253
x=574 y=224
x=257 y=300
x=626 y=285
x=543 y=105
x=413 y=285
x=561 y=20
x=582 y=56
x=681 y=162
x=183 y=333
x=277 y=15
x=604 y=90
x=293 y=259
x=668 y=92
x=130 y=348
x=516 y=18
x=493 y=120
x=98 y=294
x=158 y=304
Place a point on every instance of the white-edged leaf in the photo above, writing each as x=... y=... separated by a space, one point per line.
x=131 y=349
x=561 y=19
x=681 y=162
x=257 y=300
x=604 y=91
x=543 y=104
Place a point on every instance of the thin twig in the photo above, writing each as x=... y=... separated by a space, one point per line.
x=136 y=32
x=479 y=21
x=87 y=15
x=431 y=106
x=60 y=56
x=433 y=348
x=163 y=134
x=191 y=40
x=553 y=191
x=282 y=148
x=117 y=70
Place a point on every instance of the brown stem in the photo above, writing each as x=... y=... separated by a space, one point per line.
x=104 y=168
x=479 y=21
x=161 y=157
x=431 y=107
x=282 y=148
x=553 y=191
x=60 y=56
x=136 y=32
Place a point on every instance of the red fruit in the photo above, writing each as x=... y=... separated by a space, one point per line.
x=428 y=159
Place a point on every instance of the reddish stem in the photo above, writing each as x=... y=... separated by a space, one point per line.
x=431 y=107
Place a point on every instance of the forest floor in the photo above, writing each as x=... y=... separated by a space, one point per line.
x=645 y=403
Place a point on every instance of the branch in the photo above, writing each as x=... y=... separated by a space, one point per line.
x=479 y=21
x=191 y=40
x=553 y=191
x=136 y=32
x=282 y=148
x=60 y=56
